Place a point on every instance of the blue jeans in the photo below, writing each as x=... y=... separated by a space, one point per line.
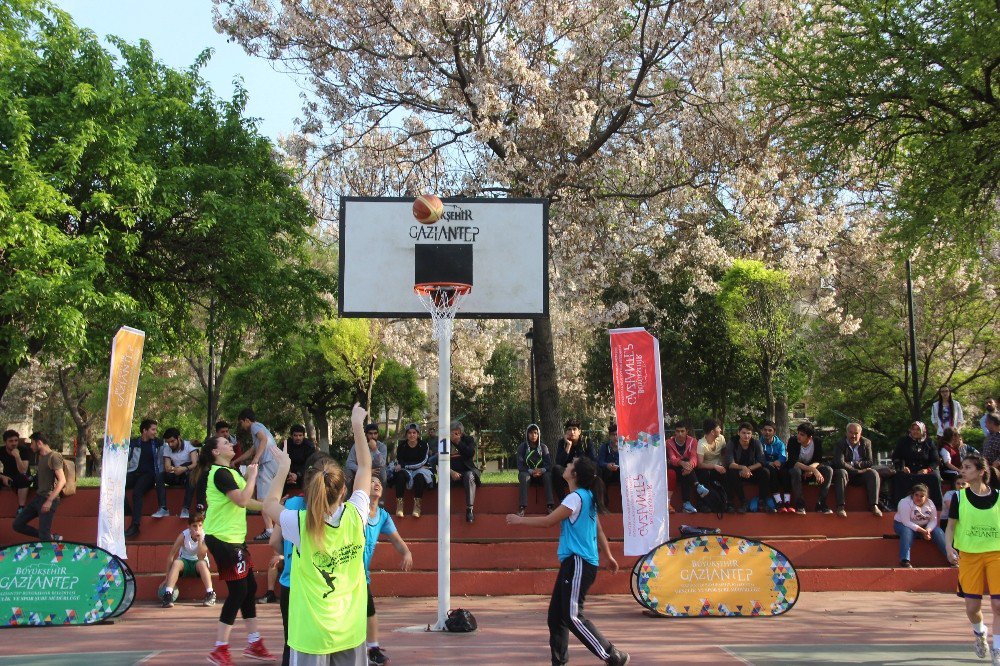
x=907 y=535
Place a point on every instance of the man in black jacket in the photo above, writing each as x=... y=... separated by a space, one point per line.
x=570 y=447
x=916 y=460
x=805 y=463
x=854 y=464
x=463 y=465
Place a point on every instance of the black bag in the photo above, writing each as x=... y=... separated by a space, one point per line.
x=460 y=621
x=692 y=530
x=716 y=500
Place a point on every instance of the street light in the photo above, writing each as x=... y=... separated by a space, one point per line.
x=529 y=338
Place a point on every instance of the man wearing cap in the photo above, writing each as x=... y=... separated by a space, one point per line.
x=463 y=465
x=570 y=447
x=379 y=454
x=51 y=480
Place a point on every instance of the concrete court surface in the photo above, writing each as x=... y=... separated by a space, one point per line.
x=823 y=628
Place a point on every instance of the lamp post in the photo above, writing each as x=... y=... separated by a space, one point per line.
x=915 y=410
x=529 y=338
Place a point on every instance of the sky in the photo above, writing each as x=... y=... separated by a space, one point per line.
x=178 y=31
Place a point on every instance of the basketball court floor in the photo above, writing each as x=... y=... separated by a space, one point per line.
x=823 y=628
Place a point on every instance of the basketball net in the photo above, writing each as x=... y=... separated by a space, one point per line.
x=442 y=300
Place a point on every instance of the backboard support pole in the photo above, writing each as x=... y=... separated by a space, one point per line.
x=444 y=475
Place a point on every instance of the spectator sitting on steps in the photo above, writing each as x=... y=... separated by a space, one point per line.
x=744 y=460
x=805 y=459
x=916 y=460
x=917 y=518
x=534 y=466
x=145 y=470
x=572 y=446
x=853 y=465
x=608 y=460
x=411 y=470
x=463 y=465
x=15 y=469
x=179 y=458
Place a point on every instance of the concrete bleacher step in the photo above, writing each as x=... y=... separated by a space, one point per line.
x=815 y=553
x=491 y=557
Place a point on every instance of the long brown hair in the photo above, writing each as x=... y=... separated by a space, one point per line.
x=206 y=457
x=324 y=491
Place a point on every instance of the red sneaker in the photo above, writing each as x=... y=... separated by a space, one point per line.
x=256 y=650
x=220 y=656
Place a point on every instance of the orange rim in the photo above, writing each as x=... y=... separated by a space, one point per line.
x=428 y=288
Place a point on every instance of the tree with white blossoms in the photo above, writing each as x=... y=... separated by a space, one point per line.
x=572 y=100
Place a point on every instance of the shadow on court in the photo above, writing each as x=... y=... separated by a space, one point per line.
x=823 y=628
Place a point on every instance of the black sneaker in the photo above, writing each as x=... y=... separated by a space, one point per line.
x=823 y=508
x=376 y=657
x=268 y=598
x=167 y=599
x=549 y=508
x=263 y=536
x=521 y=510
x=905 y=564
x=469 y=518
x=618 y=658
x=132 y=531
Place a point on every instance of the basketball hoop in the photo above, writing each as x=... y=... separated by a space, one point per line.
x=442 y=300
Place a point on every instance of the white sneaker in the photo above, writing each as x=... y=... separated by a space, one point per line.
x=995 y=656
x=980 y=646
x=161 y=513
x=184 y=514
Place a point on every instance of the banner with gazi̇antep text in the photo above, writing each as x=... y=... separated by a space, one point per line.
x=635 y=365
x=126 y=358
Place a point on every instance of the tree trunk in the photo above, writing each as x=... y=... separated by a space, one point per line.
x=550 y=416
x=84 y=443
x=322 y=431
x=781 y=415
x=768 y=379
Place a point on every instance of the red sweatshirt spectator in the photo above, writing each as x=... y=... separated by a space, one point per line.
x=682 y=459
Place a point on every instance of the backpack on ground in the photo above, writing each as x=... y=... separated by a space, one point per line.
x=715 y=500
x=69 y=471
x=694 y=530
x=460 y=621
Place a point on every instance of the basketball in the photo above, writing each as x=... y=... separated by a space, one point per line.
x=428 y=209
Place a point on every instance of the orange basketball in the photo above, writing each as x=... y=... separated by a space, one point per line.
x=428 y=209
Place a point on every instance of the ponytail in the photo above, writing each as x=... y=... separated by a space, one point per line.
x=585 y=471
x=206 y=458
x=323 y=489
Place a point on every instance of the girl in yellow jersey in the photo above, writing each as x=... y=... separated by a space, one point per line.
x=327 y=610
x=226 y=496
x=973 y=540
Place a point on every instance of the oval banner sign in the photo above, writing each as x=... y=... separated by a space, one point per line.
x=715 y=576
x=52 y=583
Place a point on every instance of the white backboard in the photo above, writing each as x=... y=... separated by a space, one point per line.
x=509 y=239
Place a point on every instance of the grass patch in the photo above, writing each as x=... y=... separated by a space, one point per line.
x=497 y=478
x=488 y=479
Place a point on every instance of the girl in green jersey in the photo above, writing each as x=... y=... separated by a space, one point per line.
x=327 y=609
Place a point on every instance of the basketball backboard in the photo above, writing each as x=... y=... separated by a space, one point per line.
x=500 y=246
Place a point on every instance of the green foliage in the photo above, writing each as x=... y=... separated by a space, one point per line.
x=499 y=412
x=280 y=384
x=704 y=372
x=396 y=389
x=866 y=375
x=910 y=87
x=129 y=193
x=353 y=349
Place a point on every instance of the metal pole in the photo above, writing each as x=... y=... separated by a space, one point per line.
x=444 y=477
x=211 y=369
x=913 y=343
x=532 y=361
